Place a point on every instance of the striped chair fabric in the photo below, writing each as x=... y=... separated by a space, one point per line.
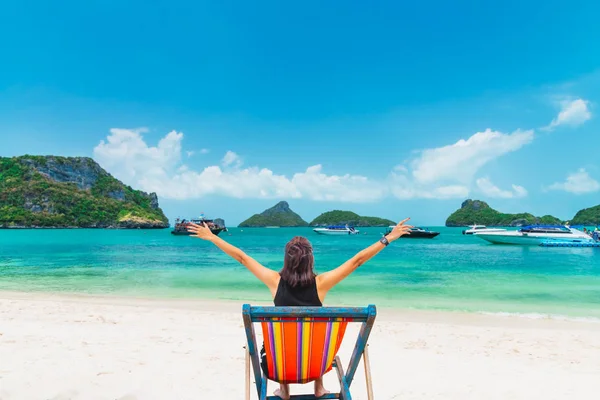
x=300 y=350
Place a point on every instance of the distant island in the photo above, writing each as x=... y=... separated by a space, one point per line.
x=278 y=215
x=71 y=192
x=479 y=212
x=338 y=217
x=587 y=216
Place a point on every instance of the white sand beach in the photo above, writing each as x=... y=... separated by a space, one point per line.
x=79 y=347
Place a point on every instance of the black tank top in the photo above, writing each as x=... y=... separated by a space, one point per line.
x=302 y=296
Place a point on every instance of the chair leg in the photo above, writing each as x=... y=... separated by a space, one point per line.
x=263 y=389
x=368 y=373
x=344 y=388
x=247 y=373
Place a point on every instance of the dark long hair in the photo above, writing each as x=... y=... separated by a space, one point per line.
x=298 y=262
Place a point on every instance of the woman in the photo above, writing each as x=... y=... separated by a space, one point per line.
x=297 y=284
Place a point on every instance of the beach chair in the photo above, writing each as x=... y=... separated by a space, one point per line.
x=301 y=344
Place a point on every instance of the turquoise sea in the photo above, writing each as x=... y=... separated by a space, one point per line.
x=450 y=272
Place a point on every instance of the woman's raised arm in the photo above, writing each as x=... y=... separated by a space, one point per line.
x=331 y=278
x=266 y=275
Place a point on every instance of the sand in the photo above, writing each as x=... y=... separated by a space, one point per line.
x=83 y=347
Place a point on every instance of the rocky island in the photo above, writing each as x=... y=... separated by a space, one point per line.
x=71 y=192
x=278 y=215
x=339 y=217
x=587 y=216
x=479 y=212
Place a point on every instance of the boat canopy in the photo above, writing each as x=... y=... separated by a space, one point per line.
x=339 y=227
x=543 y=227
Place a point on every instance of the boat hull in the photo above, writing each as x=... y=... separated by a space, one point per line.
x=511 y=239
x=529 y=239
x=335 y=232
x=420 y=235
x=180 y=232
x=488 y=230
x=417 y=233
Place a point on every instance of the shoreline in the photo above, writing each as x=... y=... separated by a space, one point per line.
x=259 y=298
x=404 y=314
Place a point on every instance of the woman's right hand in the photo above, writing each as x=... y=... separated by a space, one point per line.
x=200 y=231
x=399 y=230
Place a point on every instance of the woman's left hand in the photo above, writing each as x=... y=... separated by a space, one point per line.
x=200 y=231
x=399 y=230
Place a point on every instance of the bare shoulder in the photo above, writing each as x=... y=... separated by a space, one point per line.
x=322 y=280
x=319 y=279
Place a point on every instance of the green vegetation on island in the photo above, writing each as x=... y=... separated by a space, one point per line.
x=60 y=192
x=278 y=215
x=339 y=217
x=587 y=216
x=479 y=212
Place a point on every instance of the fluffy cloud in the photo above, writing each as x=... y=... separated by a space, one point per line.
x=460 y=161
x=191 y=153
x=447 y=172
x=437 y=173
x=489 y=189
x=231 y=158
x=403 y=187
x=579 y=182
x=316 y=185
x=126 y=151
x=158 y=169
x=572 y=113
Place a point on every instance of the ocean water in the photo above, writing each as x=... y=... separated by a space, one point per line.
x=450 y=272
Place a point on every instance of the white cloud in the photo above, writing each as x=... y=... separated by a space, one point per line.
x=447 y=172
x=404 y=188
x=572 y=113
x=437 y=173
x=231 y=158
x=460 y=161
x=126 y=151
x=489 y=189
x=191 y=153
x=579 y=182
x=352 y=188
x=158 y=169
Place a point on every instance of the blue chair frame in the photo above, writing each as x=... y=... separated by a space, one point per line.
x=366 y=315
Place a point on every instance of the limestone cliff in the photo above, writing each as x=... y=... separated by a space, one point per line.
x=59 y=192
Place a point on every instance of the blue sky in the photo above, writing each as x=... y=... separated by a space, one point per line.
x=391 y=109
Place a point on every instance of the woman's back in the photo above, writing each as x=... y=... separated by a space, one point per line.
x=299 y=295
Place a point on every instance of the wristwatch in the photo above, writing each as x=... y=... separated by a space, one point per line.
x=384 y=241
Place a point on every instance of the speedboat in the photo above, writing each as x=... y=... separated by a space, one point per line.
x=415 y=233
x=337 y=230
x=481 y=228
x=534 y=235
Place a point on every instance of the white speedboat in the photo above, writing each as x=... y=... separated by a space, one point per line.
x=481 y=228
x=535 y=234
x=337 y=230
